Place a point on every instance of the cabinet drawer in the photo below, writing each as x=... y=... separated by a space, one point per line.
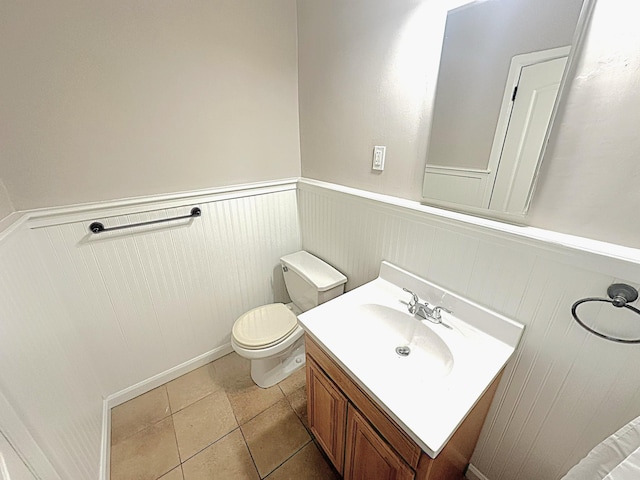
x=380 y=421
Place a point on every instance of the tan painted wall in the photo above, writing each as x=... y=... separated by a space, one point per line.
x=367 y=72
x=6 y=207
x=116 y=99
x=590 y=182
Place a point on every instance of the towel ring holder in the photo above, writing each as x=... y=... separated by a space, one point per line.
x=620 y=295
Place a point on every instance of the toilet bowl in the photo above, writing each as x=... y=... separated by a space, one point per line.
x=269 y=336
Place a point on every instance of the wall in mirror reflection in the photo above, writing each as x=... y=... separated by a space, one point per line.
x=485 y=143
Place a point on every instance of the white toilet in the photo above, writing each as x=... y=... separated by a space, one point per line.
x=269 y=335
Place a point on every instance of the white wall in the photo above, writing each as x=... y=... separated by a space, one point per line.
x=352 y=99
x=117 y=99
x=85 y=317
x=565 y=390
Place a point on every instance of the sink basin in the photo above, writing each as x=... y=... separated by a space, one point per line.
x=426 y=376
x=381 y=330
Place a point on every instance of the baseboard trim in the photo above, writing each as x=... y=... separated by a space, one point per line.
x=105 y=446
x=166 y=376
x=142 y=387
x=474 y=474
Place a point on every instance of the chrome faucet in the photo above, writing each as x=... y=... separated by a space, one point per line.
x=424 y=311
x=412 y=306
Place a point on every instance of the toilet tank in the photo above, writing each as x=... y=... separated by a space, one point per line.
x=310 y=281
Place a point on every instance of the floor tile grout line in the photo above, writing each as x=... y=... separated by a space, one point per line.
x=232 y=409
x=175 y=437
x=140 y=431
x=200 y=399
x=166 y=395
x=209 y=445
x=296 y=413
x=297 y=418
x=247 y=443
x=178 y=411
x=224 y=388
x=237 y=427
x=260 y=412
x=145 y=427
x=171 y=412
x=197 y=400
x=174 y=468
x=244 y=439
x=287 y=459
x=175 y=434
x=178 y=451
x=324 y=455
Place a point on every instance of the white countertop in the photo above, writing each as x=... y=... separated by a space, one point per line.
x=430 y=392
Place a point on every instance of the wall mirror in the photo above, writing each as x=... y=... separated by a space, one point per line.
x=502 y=72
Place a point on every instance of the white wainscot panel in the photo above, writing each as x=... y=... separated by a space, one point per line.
x=47 y=373
x=149 y=298
x=461 y=186
x=88 y=317
x=11 y=465
x=565 y=390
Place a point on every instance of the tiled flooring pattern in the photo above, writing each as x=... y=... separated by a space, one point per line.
x=215 y=423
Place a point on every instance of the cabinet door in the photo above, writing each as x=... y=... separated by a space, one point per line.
x=368 y=457
x=327 y=411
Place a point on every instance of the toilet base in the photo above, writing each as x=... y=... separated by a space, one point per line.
x=266 y=372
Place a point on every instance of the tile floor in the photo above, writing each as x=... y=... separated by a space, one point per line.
x=215 y=423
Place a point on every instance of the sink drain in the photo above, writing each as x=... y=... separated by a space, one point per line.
x=403 y=351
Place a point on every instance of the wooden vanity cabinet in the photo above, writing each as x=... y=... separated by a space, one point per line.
x=364 y=443
x=327 y=414
x=368 y=456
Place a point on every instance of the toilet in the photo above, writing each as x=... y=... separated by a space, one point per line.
x=269 y=335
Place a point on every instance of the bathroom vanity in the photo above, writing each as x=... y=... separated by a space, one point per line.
x=379 y=414
x=362 y=441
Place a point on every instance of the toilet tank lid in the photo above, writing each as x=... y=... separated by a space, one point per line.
x=314 y=270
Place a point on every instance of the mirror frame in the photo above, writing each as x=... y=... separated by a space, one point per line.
x=577 y=45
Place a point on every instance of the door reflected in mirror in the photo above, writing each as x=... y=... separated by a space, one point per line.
x=500 y=79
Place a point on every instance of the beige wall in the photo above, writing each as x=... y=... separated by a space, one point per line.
x=590 y=181
x=367 y=72
x=347 y=105
x=6 y=207
x=116 y=99
x=479 y=42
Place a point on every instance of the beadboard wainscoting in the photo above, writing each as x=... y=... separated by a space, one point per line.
x=90 y=321
x=565 y=390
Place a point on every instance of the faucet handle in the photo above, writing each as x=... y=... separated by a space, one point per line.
x=437 y=312
x=413 y=304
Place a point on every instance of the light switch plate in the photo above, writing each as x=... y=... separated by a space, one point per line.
x=378 y=158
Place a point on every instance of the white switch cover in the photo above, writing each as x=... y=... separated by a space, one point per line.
x=378 y=158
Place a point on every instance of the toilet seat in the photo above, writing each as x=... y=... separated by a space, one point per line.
x=264 y=326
